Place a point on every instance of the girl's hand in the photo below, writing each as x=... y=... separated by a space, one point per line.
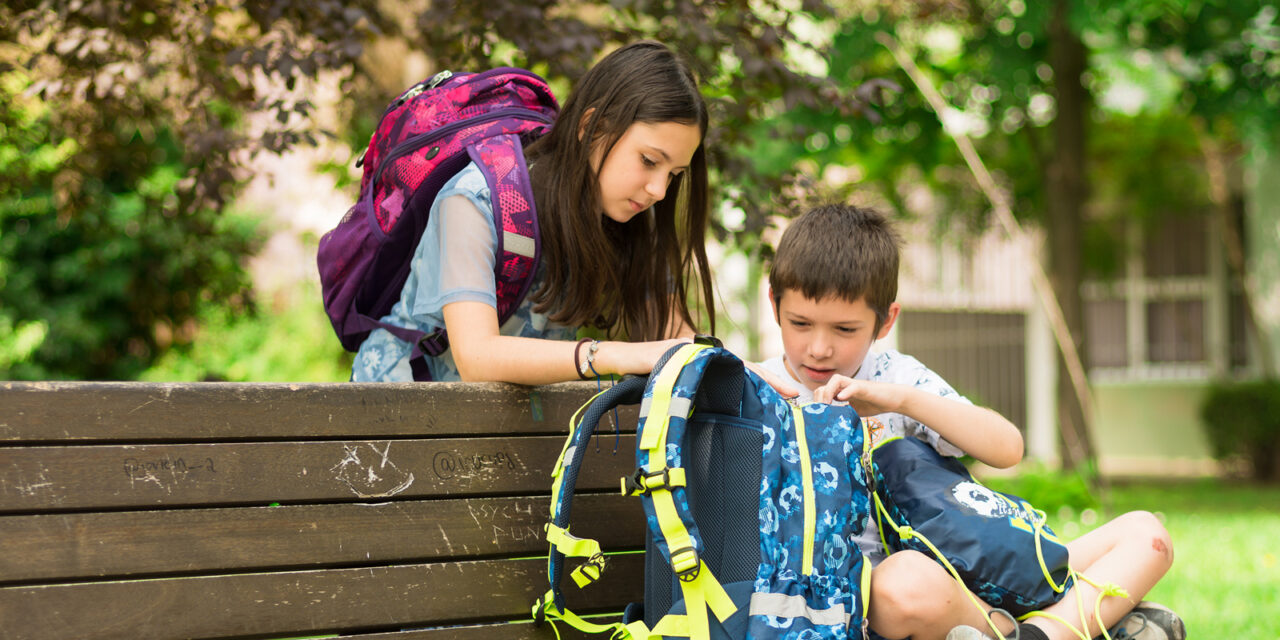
x=866 y=397
x=784 y=388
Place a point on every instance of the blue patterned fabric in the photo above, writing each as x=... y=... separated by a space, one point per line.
x=831 y=596
x=786 y=603
x=989 y=537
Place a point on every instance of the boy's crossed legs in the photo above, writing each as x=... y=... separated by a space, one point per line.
x=914 y=596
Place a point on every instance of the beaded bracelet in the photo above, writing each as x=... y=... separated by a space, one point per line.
x=590 y=361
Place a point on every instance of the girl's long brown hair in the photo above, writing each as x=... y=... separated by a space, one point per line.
x=629 y=279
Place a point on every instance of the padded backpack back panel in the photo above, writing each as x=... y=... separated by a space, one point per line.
x=723 y=466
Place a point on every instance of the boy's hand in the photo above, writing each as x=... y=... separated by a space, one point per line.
x=866 y=397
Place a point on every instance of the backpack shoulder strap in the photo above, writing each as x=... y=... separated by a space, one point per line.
x=501 y=160
x=668 y=402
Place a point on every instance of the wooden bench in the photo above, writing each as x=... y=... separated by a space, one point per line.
x=227 y=510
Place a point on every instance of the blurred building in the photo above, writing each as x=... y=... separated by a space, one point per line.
x=1171 y=320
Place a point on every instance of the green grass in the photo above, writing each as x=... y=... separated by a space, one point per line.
x=1225 y=580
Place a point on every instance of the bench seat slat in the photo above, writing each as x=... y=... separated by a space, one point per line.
x=510 y=631
x=302 y=603
x=75 y=546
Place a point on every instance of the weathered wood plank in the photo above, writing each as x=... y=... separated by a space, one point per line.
x=136 y=411
x=84 y=545
x=509 y=631
x=114 y=476
x=301 y=603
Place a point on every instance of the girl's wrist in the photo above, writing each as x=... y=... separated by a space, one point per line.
x=606 y=359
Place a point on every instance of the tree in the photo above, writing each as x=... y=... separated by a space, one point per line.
x=156 y=100
x=1023 y=80
x=111 y=245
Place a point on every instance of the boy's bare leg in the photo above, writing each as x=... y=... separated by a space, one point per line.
x=912 y=595
x=1132 y=551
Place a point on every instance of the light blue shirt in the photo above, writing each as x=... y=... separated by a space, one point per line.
x=454 y=262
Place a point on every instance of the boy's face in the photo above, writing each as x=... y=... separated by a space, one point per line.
x=821 y=338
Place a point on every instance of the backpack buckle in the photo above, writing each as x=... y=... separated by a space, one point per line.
x=686 y=564
x=640 y=483
x=590 y=571
x=434 y=343
x=539 y=612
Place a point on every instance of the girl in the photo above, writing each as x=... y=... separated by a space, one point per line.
x=620 y=186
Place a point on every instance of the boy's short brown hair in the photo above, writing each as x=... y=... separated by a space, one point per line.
x=839 y=250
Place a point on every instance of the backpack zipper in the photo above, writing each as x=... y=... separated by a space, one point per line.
x=417 y=142
x=413 y=92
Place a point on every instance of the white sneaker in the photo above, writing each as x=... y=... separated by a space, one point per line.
x=966 y=632
x=1148 y=621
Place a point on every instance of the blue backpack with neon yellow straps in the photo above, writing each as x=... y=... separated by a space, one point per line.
x=752 y=504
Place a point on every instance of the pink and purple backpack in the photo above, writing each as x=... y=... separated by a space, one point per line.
x=425 y=137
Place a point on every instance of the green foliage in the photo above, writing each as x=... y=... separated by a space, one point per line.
x=1052 y=491
x=293 y=344
x=99 y=265
x=756 y=59
x=1242 y=420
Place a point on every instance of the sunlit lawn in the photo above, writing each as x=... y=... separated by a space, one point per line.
x=1225 y=581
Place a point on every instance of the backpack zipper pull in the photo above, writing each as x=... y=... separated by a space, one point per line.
x=438 y=79
x=412 y=93
x=409 y=95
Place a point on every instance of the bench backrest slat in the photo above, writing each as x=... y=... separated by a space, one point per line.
x=187 y=541
x=138 y=412
x=40 y=478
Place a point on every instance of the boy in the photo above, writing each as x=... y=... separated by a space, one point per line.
x=833 y=283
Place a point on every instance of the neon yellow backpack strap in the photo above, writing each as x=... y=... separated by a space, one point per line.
x=810 y=500
x=660 y=404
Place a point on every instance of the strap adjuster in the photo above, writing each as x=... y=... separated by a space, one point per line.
x=686 y=564
x=642 y=484
x=590 y=571
x=539 y=612
x=434 y=343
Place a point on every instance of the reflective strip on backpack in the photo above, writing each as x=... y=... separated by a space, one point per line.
x=661 y=400
x=788 y=607
x=518 y=244
x=679 y=407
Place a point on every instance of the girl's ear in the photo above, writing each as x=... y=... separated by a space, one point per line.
x=582 y=124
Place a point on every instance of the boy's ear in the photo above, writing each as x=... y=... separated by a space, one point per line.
x=773 y=302
x=890 y=318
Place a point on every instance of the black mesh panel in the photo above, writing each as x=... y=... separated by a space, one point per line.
x=722 y=464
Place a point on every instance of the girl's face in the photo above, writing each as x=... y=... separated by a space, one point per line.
x=642 y=164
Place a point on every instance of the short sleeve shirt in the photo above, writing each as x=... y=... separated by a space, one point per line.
x=453 y=262
x=899 y=368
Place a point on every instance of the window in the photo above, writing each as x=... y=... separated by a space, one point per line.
x=1172 y=311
